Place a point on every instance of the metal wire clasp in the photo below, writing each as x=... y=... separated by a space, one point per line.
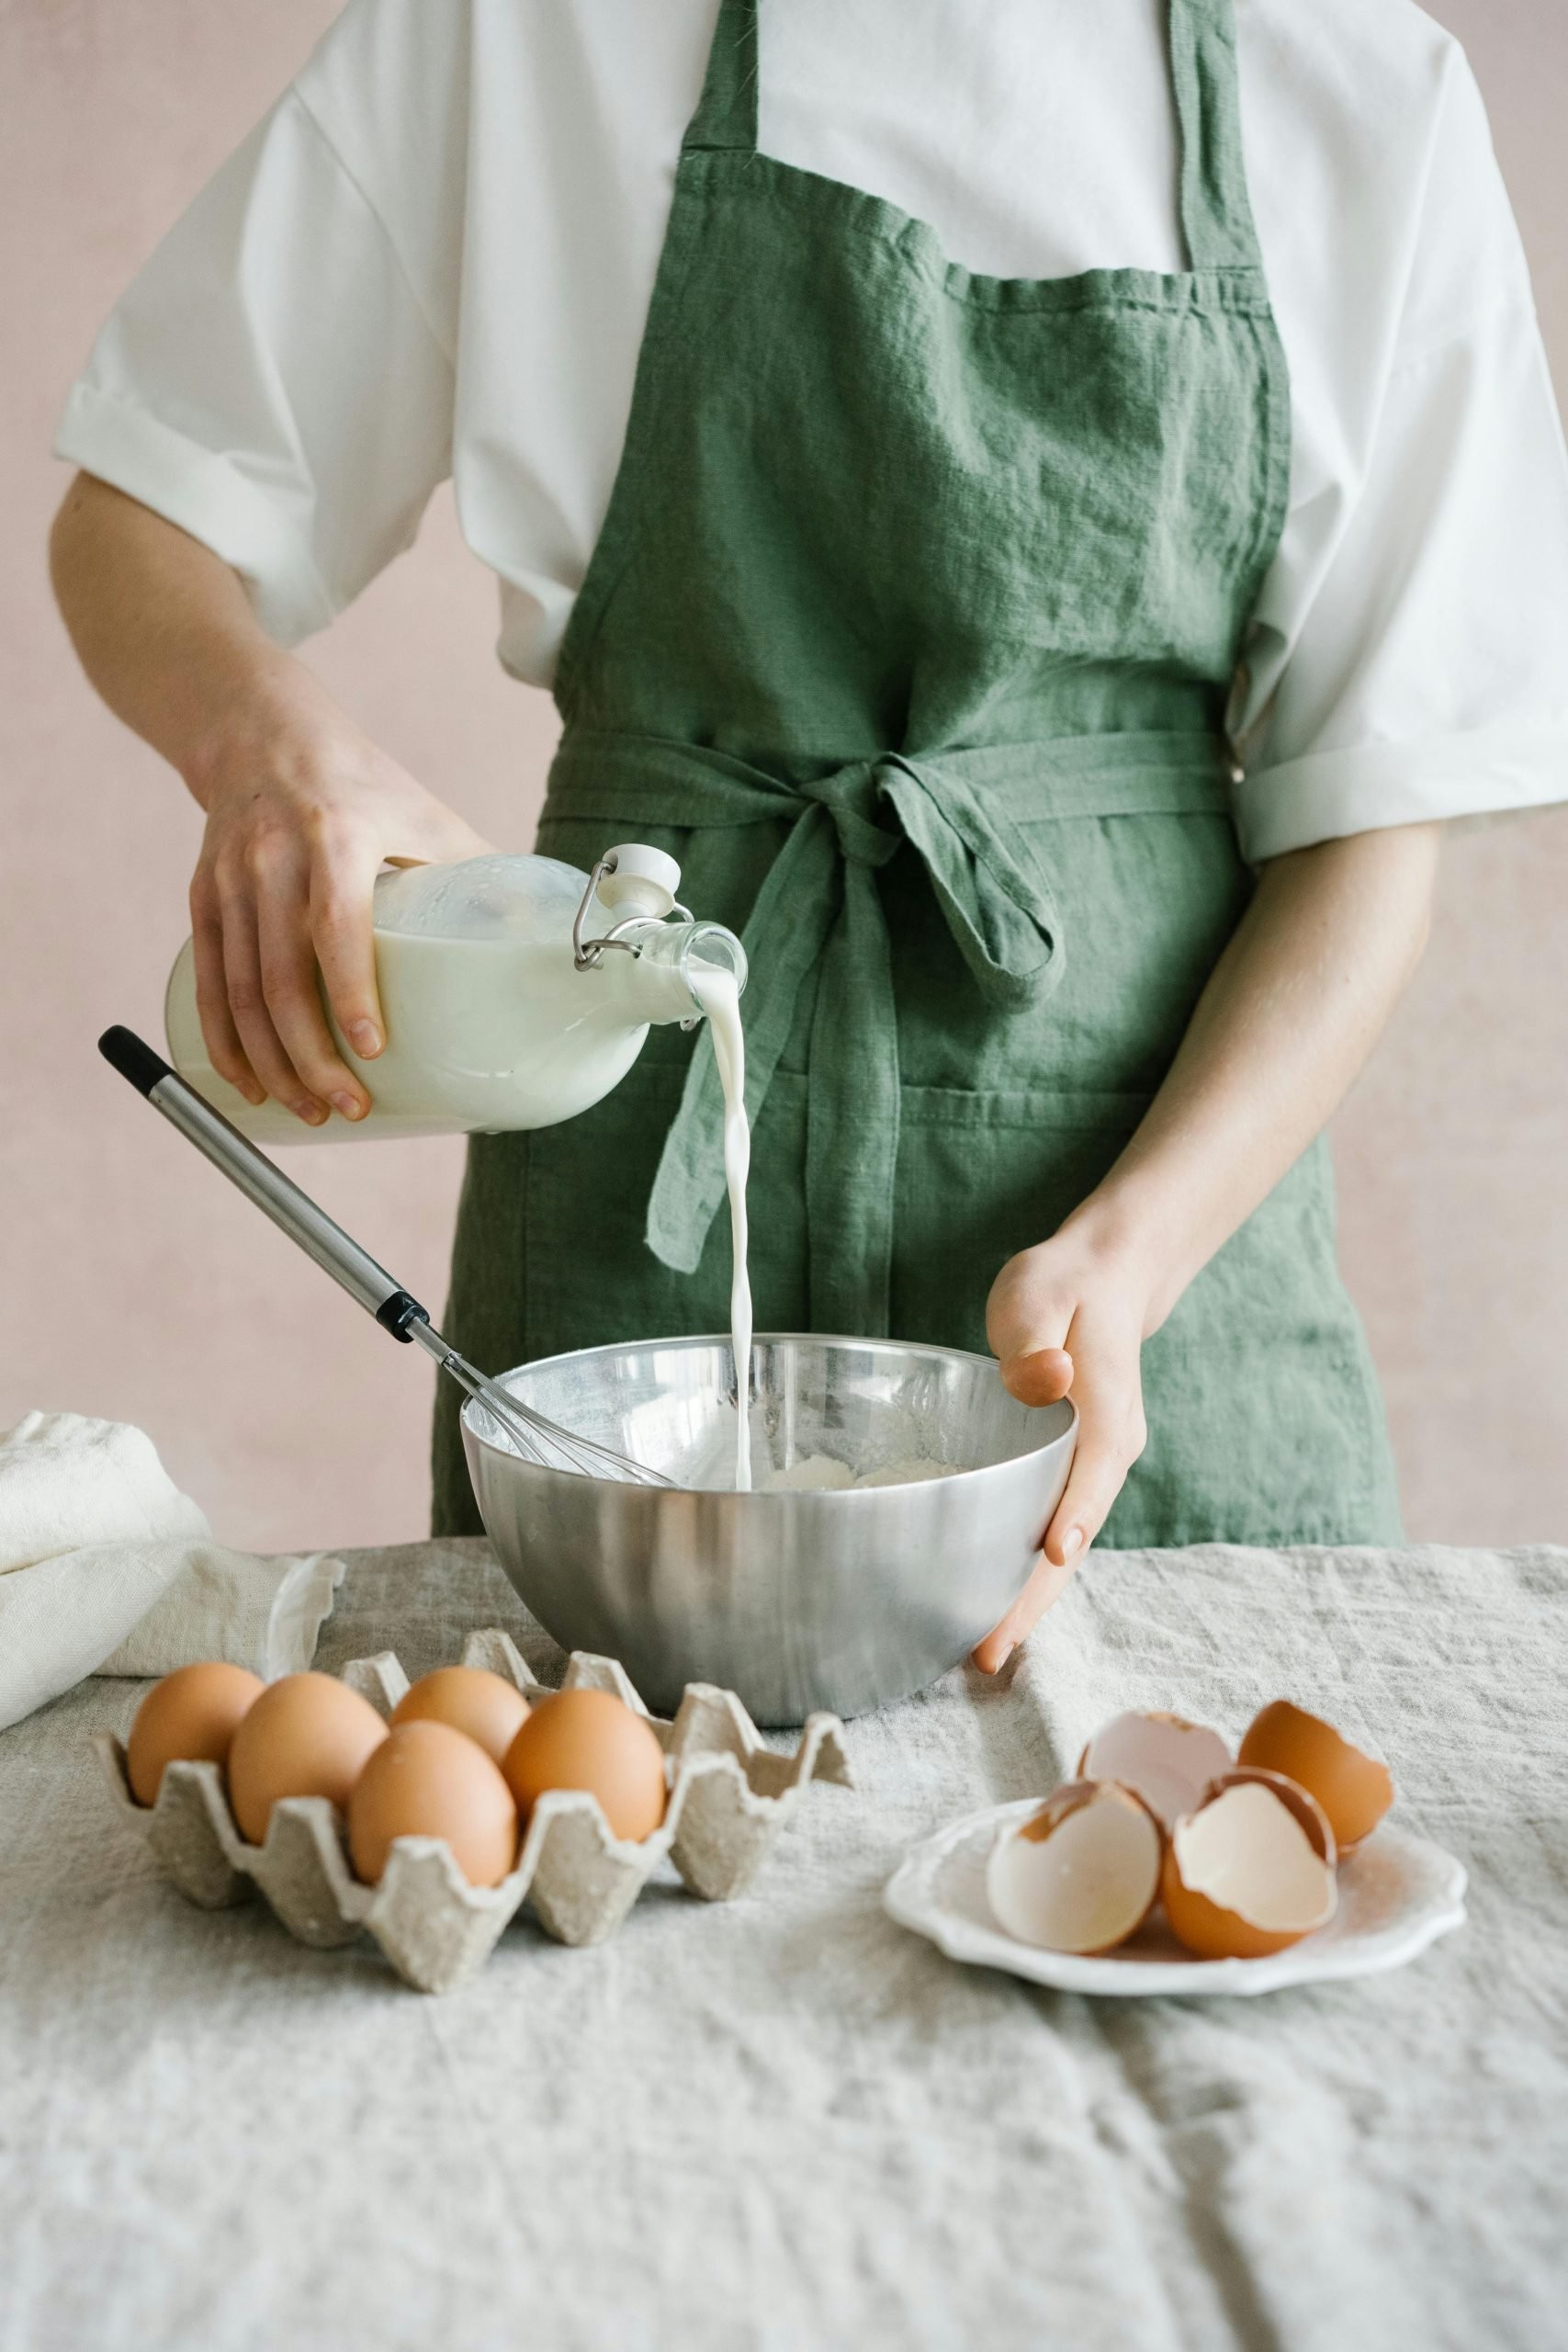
x=586 y=953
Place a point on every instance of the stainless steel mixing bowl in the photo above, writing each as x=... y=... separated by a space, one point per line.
x=796 y=1601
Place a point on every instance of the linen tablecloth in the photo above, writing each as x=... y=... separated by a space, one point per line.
x=786 y=2123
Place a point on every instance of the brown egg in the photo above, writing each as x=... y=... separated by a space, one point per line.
x=1355 y=1790
x=484 y=1706
x=188 y=1717
x=1167 y=1760
x=308 y=1736
x=591 y=1739
x=1082 y=1874
x=1251 y=1871
x=427 y=1780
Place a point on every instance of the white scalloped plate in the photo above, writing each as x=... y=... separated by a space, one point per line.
x=1397 y=1893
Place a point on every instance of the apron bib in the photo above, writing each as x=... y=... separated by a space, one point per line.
x=910 y=633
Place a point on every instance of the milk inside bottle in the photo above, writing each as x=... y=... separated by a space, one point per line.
x=515 y=993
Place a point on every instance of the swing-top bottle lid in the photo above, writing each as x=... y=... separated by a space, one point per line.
x=645 y=881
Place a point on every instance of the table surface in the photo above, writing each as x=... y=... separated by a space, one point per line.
x=785 y=2121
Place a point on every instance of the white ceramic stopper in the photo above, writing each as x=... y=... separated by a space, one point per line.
x=644 y=883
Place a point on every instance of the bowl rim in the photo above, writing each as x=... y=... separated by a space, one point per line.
x=473 y=1405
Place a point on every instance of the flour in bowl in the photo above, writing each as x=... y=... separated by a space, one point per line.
x=820 y=1474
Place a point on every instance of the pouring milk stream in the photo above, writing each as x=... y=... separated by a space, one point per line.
x=718 y=994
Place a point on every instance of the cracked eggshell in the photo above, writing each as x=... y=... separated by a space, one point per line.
x=1164 y=1758
x=1355 y=1790
x=1250 y=1870
x=1082 y=1874
x=1294 y=1797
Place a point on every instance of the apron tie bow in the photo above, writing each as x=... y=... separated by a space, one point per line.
x=851 y=795
x=821 y=906
x=963 y=813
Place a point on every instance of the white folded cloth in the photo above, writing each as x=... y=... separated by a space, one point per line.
x=107 y=1567
x=66 y=1482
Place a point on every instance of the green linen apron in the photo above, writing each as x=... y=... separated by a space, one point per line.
x=910 y=633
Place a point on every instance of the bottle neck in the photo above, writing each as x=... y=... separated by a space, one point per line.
x=656 y=980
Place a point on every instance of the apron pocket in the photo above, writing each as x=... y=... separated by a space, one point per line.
x=1265 y=1423
x=982 y=1175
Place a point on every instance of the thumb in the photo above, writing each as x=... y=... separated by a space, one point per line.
x=1029 y=1319
x=1038 y=1376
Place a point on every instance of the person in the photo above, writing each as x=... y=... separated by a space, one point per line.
x=1046 y=513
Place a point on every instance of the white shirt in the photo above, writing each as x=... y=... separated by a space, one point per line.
x=435 y=257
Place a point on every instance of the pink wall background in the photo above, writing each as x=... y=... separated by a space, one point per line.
x=135 y=1284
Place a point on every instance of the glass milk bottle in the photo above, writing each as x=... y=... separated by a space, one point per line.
x=515 y=993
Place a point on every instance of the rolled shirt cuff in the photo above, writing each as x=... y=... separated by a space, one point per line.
x=1326 y=795
x=204 y=494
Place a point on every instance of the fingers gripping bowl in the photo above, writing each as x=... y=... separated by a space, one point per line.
x=796 y=1601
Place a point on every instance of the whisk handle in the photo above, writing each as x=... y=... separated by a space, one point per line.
x=263 y=1182
x=134 y=1059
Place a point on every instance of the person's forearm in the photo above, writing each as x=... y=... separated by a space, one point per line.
x=164 y=630
x=1290 y=1014
x=302 y=810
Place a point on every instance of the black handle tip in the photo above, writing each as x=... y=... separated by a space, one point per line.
x=126 y=1052
x=395 y=1315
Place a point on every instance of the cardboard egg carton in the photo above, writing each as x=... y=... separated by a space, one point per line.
x=729 y=1796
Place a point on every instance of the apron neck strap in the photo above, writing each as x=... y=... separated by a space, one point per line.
x=727 y=111
x=1216 y=212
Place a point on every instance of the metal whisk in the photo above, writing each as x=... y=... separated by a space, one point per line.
x=541 y=1441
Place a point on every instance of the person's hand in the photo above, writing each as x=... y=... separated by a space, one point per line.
x=1069 y=1318
x=301 y=811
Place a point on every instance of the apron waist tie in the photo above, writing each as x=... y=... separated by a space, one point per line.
x=820 y=902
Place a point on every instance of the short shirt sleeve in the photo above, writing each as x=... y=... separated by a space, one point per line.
x=1410 y=661
x=270 y=382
